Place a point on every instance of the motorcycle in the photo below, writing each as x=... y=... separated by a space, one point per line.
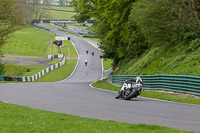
x=131 y=90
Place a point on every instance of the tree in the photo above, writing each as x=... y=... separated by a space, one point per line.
x=85 y=9
x=165 y=21
x=61 y=2
x=113 y=24
x=8 y=19
x=8 y=23
x=129 y=27
x=32 y=9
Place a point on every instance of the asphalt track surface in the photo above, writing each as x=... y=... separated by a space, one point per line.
x=74 y=96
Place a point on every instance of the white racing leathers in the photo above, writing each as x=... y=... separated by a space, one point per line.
x=137 y=86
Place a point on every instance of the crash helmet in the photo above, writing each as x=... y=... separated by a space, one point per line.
x=138 y=80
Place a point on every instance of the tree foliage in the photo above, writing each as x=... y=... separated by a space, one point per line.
x=8 y=19
x=32 y=9
x=129 y=27
x=8 y=23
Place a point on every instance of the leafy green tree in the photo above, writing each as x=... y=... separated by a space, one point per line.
x=8 y=23
x=114 y=15
x=8 y=19
x=61 y=2
x=127 y=28
x=155 y=21
x=85 y=9
x=165 y=22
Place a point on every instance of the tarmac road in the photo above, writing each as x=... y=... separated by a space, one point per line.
x=75 y=96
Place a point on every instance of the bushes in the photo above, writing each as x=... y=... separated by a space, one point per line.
x=14 y=70
x=21 y=70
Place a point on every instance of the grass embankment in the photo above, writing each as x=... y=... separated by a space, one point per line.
x=178 y=60
x=22 y=70
x=30 y=41
x=20 y=119
x=60 y=13
x=67 y=9
x=64 y=71
x=35 y=42
x=107 y=64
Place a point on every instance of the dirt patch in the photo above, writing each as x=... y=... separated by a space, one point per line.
x=25 y=60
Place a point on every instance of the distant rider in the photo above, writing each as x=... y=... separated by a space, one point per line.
x=128 y=84
x=86 y=62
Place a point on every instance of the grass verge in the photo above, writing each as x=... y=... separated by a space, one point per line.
x=21 y=70
x=93 y=39
x=107 y=64
x=66 y=70
x=28 y=42
x=60 y=15
x=59 y=73
x=56 y=75
x=18 y=119
x=63 y=8
x=175 y=97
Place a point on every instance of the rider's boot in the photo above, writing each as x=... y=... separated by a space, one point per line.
x=120 y=93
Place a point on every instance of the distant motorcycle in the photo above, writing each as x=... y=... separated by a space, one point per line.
x=130 y=89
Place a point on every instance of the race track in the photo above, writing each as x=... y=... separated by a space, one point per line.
x=74 y=96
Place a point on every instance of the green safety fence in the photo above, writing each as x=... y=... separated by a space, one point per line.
x=175 y=83
x=1 y=78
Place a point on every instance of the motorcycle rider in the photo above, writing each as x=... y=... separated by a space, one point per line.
x=86 y=62
x=128 y=84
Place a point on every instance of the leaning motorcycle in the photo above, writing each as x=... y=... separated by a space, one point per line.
x=130 y=91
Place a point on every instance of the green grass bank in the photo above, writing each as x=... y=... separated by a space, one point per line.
x=178 y=60
x=65 y=71
x=30 y=41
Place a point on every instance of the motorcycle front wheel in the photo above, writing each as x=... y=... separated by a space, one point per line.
x=130 y=94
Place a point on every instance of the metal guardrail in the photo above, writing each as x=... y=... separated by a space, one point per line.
x=36 y=76
x=174 y=83
x=37 y=26
x=1 y=78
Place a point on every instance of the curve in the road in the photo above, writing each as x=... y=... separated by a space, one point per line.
x=75 y=96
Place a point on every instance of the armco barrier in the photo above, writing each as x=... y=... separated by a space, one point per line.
x=174 y=83
x=37 y=26
x=43 y=72
x=36 y=76
x=1 y=78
